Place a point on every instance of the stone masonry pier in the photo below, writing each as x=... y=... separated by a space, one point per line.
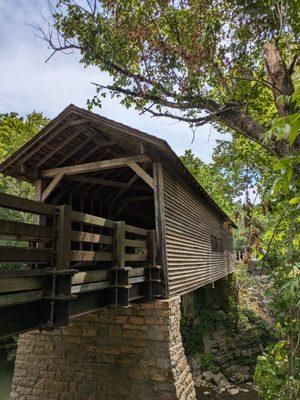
x=130 y=354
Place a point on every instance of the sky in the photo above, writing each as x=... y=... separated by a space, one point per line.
x=29 y=84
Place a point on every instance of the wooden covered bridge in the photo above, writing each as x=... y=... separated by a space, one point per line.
x=116 y=218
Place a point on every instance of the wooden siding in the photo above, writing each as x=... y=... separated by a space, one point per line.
x=189 y=224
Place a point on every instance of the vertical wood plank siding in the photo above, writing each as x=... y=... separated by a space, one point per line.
x=189 y=224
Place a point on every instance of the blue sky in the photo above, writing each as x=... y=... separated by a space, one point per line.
x=27 y=83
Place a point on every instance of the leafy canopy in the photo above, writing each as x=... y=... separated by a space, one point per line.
x=227 y=62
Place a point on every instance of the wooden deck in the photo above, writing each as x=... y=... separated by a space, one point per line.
x=70 y=264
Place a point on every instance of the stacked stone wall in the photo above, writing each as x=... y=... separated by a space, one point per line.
x=130 y=354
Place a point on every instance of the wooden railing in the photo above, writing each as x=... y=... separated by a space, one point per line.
x=71 y=263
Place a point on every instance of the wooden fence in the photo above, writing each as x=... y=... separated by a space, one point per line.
x=70 y=263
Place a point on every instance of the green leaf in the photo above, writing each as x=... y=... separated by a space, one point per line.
x=294 y=132
x=289 y=173
x=285 y=183
x=294 y=200
x=276 y=187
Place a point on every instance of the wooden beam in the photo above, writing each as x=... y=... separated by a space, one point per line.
x=78 y=255
x=95 y=166
x=91 y=219
x=13 y=230
x=79 y=236
x=73 y=151
x=52 y=185
x=20 y=204
x=141 y=173
x=24 y=255
x=50 y=137
x=160 y=224
x=59 y=147
x=119 y=194
x=98 y=181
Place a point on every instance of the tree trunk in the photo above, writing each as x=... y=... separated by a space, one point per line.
x=279 y=78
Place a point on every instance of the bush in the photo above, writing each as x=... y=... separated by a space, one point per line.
x=274 y=376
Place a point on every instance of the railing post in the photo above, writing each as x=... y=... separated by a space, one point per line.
x=59 y=291
x=63 y=245
x=153 y=278
x=120 y=273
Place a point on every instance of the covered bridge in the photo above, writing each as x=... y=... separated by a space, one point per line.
x=118 y=218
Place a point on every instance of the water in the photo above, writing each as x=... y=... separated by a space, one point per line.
x=6 y=375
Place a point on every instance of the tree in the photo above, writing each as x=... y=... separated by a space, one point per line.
x=212 y=181
x=228 y=62
x=14 y=132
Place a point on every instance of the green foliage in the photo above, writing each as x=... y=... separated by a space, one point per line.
x=274 y=375
x=208 y=363
x=14 y=132
x=197 y=57
x=212 y=180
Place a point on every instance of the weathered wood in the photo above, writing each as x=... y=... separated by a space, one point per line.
x=22 y=318
x=142 y=244
x=159 y=203
x=64 y=238
x=87 y=302
x=189 y=223
x=24 y=255
x=102 y=275
x=119 y=244
x=151 y=247
x=79 y=236
x=136 y=257
x=20 y=298
x=78 y=255
x=72 y=152
x=89 y=287
x=43 y=141
x=114 y=197
x=135 y=229
x=142 y=173
x=91 y=219
x=30 y=206
x=95 y=166
x=98 y=181
x=95 y=148
x=21 y=283
x=13 y=230
x=68 y=139
x=51 y=187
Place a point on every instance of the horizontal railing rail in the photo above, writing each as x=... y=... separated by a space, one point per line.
x=72 y=263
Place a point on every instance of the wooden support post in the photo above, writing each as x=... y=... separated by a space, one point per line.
x=160 y=224
x=39 y=187
x=63 y=248
x=120 y=273
x=51 y=187
x=120 y=244
x=153 y=271
x=59 y=294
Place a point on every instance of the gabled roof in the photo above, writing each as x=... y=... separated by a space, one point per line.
x=61 y=138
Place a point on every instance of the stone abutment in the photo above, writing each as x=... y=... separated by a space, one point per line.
x=131 y=354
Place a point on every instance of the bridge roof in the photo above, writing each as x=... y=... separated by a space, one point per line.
x=76 y=131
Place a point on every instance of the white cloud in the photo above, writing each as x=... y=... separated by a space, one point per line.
x=27 y=83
